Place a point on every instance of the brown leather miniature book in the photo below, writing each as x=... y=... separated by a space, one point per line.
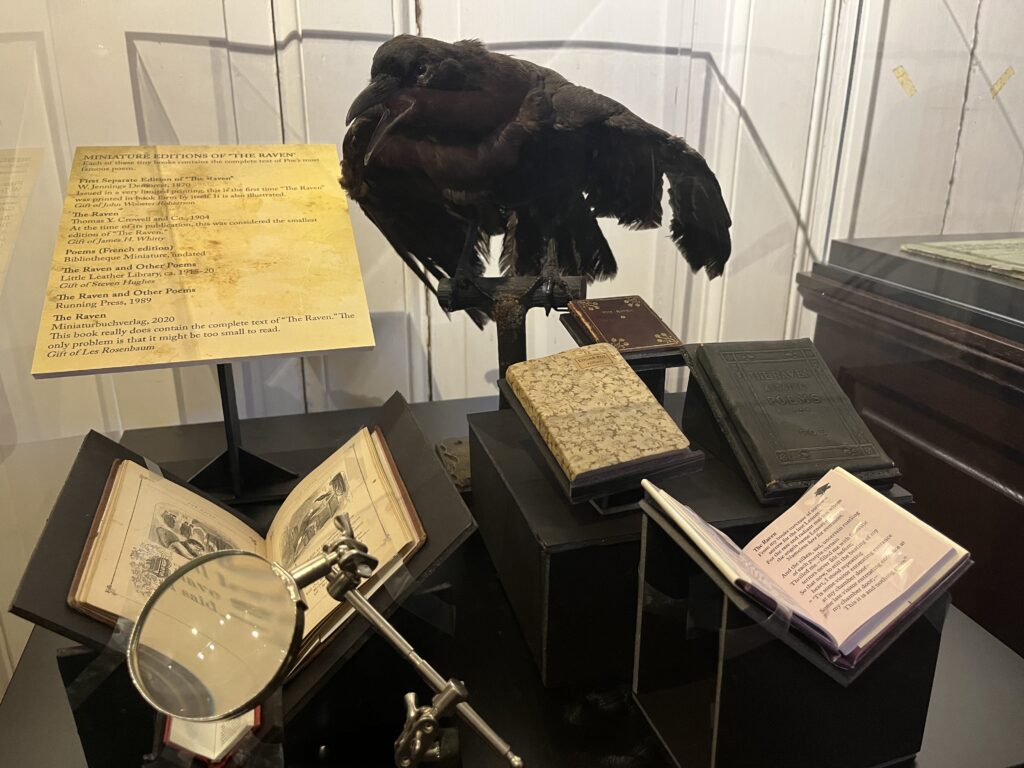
x=626 y=322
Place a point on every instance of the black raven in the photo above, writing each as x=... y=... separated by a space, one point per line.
x=450 y=142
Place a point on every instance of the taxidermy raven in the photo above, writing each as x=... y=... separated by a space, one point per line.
x=450 y=144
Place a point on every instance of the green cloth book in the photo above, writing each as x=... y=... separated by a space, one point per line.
x=784 y=416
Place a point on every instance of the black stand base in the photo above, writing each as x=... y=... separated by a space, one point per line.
x=258 y=480
x=569 y=573
x=236 y=476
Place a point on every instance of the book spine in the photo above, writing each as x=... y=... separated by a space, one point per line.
x=584 y=318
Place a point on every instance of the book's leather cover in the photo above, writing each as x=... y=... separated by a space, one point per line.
x=626 y=322
x=784 y=417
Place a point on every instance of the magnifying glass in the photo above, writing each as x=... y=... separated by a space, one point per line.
x=223 y=631
x=216 y=637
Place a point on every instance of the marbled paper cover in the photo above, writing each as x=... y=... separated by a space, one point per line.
x=592 y=409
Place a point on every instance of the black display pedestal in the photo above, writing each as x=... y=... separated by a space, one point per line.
x=722 y=690
x=569 y=573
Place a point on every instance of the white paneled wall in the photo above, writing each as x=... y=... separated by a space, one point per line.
x=822 y=120
x=328 y=47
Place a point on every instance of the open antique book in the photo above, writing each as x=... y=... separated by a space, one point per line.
x=147 y=526
x=843 y=564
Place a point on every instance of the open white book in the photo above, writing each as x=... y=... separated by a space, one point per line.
x=844 y=562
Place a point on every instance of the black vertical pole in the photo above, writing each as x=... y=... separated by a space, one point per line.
x=510 y=317
x=232 y=429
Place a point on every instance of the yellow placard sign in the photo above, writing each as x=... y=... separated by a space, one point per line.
x=175 y=255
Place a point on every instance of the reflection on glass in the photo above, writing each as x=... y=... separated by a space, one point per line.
x=18 y=170
x=214 y=635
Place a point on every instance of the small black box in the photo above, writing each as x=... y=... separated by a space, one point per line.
x=569 y=573
x=723 y=689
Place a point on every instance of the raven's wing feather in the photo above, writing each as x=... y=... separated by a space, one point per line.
x=626 y=159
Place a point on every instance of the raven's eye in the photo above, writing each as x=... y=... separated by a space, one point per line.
x=419 y=69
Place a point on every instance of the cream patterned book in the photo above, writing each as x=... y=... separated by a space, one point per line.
x=597 y=417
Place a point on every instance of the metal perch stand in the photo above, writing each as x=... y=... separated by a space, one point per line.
x=506 y=300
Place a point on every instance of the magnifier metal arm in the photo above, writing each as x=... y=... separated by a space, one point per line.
x=345 y=564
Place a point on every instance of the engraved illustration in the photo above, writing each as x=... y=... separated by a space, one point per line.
x=182 y=534
x=313 y=514
x=150 y=565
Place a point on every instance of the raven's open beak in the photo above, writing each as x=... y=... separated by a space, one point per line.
x=377 y=92
x=387 y=121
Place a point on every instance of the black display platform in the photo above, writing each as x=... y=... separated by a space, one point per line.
x=42 y=594
x=973 y=720
x=722 y=687
x=569 y=572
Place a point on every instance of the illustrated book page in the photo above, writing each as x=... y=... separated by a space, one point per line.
x=360 y=480
x=145 y=529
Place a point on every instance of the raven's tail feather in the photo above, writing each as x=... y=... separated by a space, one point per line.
x=591 y=253
x=700 y=219
x=478 y=316
x=569 y=243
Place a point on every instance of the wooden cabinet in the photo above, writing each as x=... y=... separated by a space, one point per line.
x=944 y=397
